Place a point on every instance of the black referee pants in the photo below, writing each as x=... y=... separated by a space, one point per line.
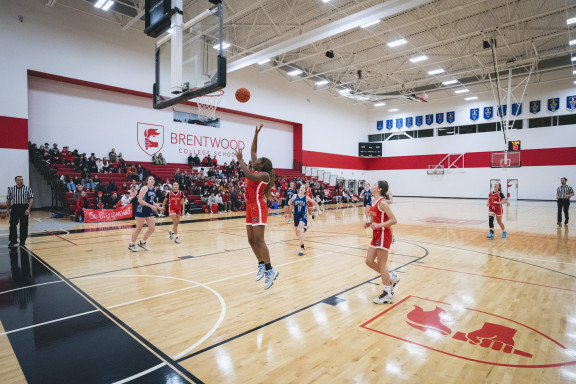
x=563 y=205
x=17 y=214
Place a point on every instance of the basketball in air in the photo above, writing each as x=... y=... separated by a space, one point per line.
x=242 y=95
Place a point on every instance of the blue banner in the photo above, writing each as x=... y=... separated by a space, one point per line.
x=488 y=113
x=399 y=123
x=389 y=124
x=409 y=122
x=440 y=118
x=474 y=114
x=553 y=104
x=535 y=107
x=380 y=125
x=571 y=103
x=450 y=117
x=502 y=108
x=419 y=121
x=429 y=119
x=516 y=109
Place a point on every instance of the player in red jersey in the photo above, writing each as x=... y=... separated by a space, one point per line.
x=258 y=184
x=176 y=202
x=310 y=195
x=381 y=219
x=495 y=201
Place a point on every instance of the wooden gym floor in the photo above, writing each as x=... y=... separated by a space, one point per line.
x=76 y=306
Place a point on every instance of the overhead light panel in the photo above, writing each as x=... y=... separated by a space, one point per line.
x=100 y=3
x=344 y=91
x=393 y=110
x=370 y=24
x=396 y=43
x=363 y=98
x=295 y=72
x=471 y=98
x=436 y=72
x=325 y=1
x=418 y=58
x=224 y=45
x=572 y=42
x=379 y=104
x=108 y=5
x=462 y=91
x=574 y=72
x=573 y=58
x=449 y=82
x=264 y=61
x=571 y=21
x=322 y=82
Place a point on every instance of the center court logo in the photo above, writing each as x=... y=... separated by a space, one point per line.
x=469 y=334
x=150 y=138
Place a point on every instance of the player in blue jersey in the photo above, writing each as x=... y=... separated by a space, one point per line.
x=300 y=202
x=287 y=197
x=366 y=195
x=144 y=214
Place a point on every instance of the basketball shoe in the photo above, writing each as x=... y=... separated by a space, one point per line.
x=176 y=239
x=132 y=247
x=142 y=244
x=490 y=236
x=261 y=270
x=394 y=279
x=386 y=296
x=302 y=252
x=171 y=235
x=504 y=234
x=271 y=275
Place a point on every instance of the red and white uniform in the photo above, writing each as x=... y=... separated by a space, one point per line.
x=256 y=207
x=495 y=203
x=310 y=195
x=175 y=203
x=381 y=237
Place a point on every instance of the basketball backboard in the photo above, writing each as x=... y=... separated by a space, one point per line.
x=505 y=160
x=190 y=60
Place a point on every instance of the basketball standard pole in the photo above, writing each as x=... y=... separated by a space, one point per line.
x=507 y=126
x=176 y=86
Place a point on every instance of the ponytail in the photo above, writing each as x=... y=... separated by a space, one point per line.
x=269 y=168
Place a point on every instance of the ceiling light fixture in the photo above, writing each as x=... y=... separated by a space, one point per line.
x=295 y=72
x=449 y=82
x=436 y=72
x=224 y=45
x=370 y=24
x=344 y=91
x=99 y=3
x=108 y=5
x=379 y=104
x=321 y=82
x=393 y=110
x=471 y=98
x=573 y=58
x=396 y=43
x=418 y=58
x=462 y=91
x=572 y=42
x=264 y=61
x=571 y=21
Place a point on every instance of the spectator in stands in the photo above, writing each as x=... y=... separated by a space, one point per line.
x=99 y=165
x=126 y=199
x=69 y=184
x=92 y=168
x=81 y=204
x=80 y=163
x=121 y=164
x=55 y=155
x=78 y=192
x=185 y=181
x=205 y=161
x=196 y=160
x=220 y=203
x=64 y=154
x=105 y=165
x=99 y=202
x=87 y=181
x=178 y=176
x=161 y=159
x=226 y=202
x=112 y=155
x=211 y=201
x=166 y=184
x=346 y=195
x=190 y=161
x=202 y=173
x=46 y=157
x=132 y=192
x=132 y=172
x=114 y=201
x=139 y=172
x=155 y=160
x=111 y=188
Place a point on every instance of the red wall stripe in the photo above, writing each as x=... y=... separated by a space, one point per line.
x=14 y=132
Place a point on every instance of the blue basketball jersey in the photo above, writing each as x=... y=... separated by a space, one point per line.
x=142 y=210
x=367 y=196
x=300 y=206
x=289 y=193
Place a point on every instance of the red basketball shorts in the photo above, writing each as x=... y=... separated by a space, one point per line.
x=381 y=239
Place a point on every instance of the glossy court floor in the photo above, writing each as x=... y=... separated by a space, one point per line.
x=77 y=307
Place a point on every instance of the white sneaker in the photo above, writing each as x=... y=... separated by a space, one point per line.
x=171 y=235
x=176 y=239
x=394 y=279
x=271 y=275
x=132 y=247
x=143 y=245
x=386 y=296
x=261 y=270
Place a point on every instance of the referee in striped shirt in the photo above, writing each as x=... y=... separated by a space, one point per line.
x=563 y=195
x=19 y=202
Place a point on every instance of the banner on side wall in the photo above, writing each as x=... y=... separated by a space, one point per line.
x=429 y=119
x=409 y=122
x=399 y=123
x=450 y=117
x=380 y=125
x=474 y=114
x=389 y=124
x=419 y=120
x=98 y=215
x=535 y=107
x=571 y=103
x=501 y=111
x=516 y=109
x=553 y=104
x=488 y=113
x=440 y=118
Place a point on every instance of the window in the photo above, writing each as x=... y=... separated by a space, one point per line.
x=466 y=129
x=566 y=119
x=517 y=125
x=446 y=131
x=411 y=133
x=374 y=138
x=425 y=133
x=488 y=127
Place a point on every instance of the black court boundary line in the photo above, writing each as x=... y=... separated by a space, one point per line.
x=294 y=312
x=499 y=256
x=362 y=249
x=131 y=226
x=167 y=359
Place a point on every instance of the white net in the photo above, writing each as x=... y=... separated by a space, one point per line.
x=207 y=105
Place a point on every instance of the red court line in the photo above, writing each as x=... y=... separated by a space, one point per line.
x=60 y=237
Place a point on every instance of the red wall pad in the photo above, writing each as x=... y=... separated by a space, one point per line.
x=14 y=132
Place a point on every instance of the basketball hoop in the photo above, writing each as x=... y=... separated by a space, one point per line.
x=207 y=105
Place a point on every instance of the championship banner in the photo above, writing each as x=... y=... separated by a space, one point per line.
x=450 y=117
x=419 y=121
x=409 y=122
x=380 y=125
x=474 y=114
x=502 y=109
x=399 y=123
x=96 y=215
x=389 y=124
x=488 y=113
x=571 y=103
x=535 y=107
x=440 y=118
x=553 y=104
x=516 y=109
x=429 y=119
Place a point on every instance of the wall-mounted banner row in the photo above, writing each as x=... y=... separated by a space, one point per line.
x=418 y=120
